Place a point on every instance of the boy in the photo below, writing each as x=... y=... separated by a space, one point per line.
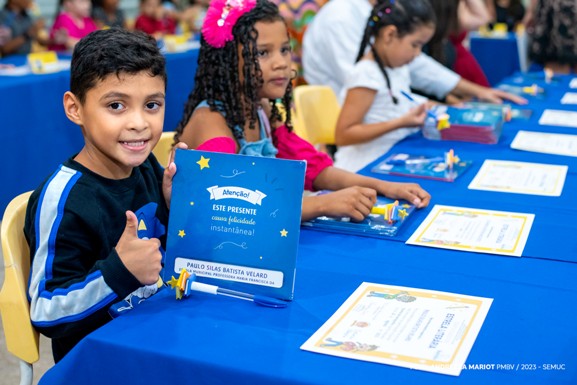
x=19 y=29
x=96 y=226
x=155 y=20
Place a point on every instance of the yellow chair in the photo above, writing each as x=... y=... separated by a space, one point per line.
x=298 y=126
x=162 y=149
x=317 y=110
x=21 y=338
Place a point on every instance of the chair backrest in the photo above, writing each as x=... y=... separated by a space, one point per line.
x=317 y=109
x=21 y=337
x=162 y=149
x=298 y=125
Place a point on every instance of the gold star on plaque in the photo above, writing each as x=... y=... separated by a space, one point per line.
x=203 y=162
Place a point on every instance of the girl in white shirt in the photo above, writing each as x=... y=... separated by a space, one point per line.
x=375 y=114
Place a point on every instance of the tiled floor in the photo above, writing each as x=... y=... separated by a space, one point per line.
x=9 y=368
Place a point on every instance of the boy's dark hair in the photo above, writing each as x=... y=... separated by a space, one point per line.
x=217 y=78
x=113 y=51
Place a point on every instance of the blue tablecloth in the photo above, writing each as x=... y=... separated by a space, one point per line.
x=218 y=340
x=36 y=136
x=497 y=56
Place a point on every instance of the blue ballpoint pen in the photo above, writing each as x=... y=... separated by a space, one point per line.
x=409 y=97
x=415 y=161
x=213 y=289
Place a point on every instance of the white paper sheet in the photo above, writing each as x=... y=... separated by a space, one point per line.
x=559 y=118
x=474 y=230
x=548 y=143
x=520 y=177
x=413 y=328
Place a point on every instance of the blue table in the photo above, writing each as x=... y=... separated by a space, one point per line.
x=36 y=136
x=497 y=56
x=218 y=340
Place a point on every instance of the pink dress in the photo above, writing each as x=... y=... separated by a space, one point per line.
x=289 y=145
x=65 y=21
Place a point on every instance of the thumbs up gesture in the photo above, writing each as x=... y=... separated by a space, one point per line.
x=141 y=257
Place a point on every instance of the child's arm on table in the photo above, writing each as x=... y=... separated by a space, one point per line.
x=354 y=202
x=350 y=128
x=355 y=194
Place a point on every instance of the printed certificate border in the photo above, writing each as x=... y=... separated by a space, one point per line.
x=452 y=366
x=438 y=210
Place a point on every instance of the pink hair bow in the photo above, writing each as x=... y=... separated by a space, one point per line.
x=220 y=19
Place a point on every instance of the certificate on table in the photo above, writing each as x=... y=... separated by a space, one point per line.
x=547 y=143
x=520 y=178
x=559 y=118
x=15 y=71
x=569 y=98
x=475 y=230
x=402 y=326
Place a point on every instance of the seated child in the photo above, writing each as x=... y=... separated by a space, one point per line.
x=71 y=24
x=154 y=19
x=96 y=227
x=108 y=14
x=234 y=111
x=193 y=15
x=510 y=12
x=375 y=114
x=19 y=29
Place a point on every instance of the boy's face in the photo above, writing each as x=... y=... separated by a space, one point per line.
x=150 y=7
x=79 y=7
x=110 y=4
x=22 y=4
x=274 y=57
x=121 y=119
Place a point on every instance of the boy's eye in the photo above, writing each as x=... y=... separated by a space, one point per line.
x=153 y=105
x=115 y=105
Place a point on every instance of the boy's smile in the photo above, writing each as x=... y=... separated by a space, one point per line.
x=122 y=119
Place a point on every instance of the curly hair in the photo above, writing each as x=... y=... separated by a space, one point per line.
x=218 y=80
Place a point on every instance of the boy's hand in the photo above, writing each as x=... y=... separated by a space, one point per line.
x=353 y=202
x=169 y=173
x=141 y=257
x=60 y=36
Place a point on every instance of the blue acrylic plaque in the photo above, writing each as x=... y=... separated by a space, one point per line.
x=235 y=221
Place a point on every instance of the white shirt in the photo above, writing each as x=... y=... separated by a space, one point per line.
x=331 y=44
x=366 y=74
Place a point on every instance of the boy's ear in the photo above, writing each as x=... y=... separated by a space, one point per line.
x=72 y=108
